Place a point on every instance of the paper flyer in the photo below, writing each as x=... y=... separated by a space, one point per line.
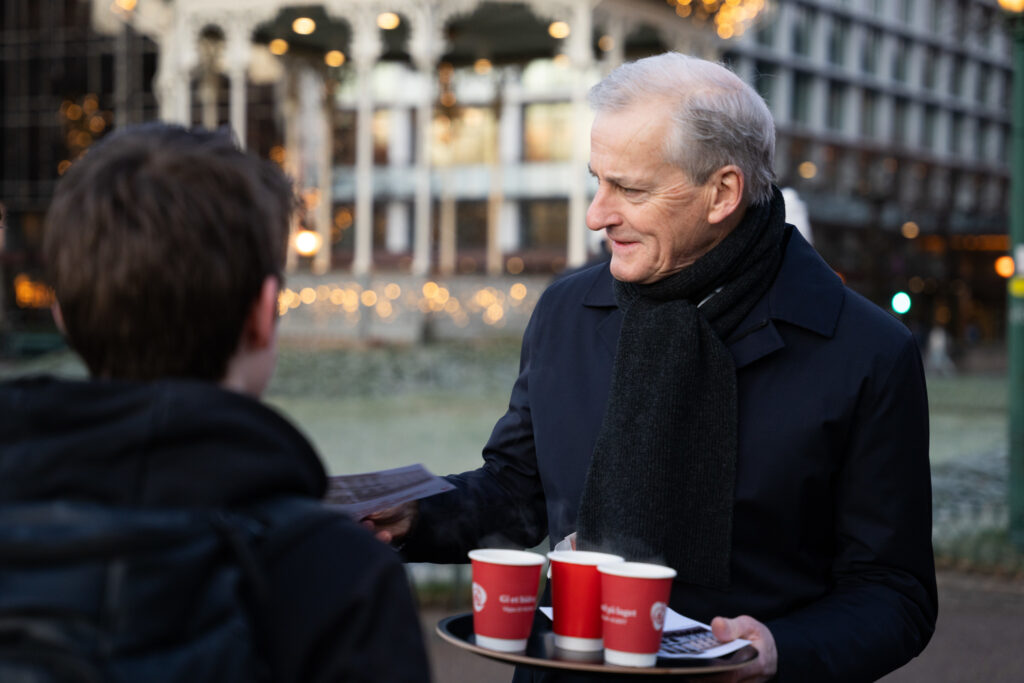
x=357 y=495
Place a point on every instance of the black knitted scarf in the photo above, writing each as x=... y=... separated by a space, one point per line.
x=661 y=482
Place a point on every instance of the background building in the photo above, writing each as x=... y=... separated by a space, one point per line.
x=450 y=136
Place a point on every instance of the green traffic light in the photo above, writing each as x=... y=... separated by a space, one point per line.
x=900 y=302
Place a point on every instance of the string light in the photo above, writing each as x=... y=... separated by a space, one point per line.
x=491 y=305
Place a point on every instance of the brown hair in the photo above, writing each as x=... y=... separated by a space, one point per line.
x=157 y=244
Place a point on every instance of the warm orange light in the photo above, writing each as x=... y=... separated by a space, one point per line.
x=558 y=30
x=910 y=230
x=303 y=26
x=1015 y=6
x=278 y=46
x=334 y=58
x=307 y=242
x=807 y=169
x=1004 y=266
x=388 y=21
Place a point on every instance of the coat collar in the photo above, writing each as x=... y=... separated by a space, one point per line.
x=806 y=293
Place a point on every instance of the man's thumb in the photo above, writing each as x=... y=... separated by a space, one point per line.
x=723 y=628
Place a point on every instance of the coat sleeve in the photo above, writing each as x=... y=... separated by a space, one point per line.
x=341 y=609
x=882 y=607
x=501 y=504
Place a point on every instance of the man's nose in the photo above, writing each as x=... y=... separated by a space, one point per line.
x=602 y=213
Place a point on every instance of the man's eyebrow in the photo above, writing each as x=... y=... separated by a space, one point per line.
x=613 y=179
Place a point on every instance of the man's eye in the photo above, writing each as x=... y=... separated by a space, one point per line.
x=630 y=191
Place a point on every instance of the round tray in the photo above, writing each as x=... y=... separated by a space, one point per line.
x=541 y=653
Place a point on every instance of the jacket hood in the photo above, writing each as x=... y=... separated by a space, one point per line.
x=169 y=442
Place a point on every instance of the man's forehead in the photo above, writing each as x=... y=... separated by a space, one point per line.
x=631 y=125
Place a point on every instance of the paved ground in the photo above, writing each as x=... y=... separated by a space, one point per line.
x=979 y=637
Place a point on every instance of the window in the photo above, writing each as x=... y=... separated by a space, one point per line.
x=869 y=53
x=801 y=104
x=935 y=16
x=868 y=113
x=836 y=108
x=956 y=134
x=469 y=137
x=928 y=76
x=838 y=39
x=907 y=11
x=765 y=34
x=765 y=74
x=956 y=77
x=803 y=29
x=928 y=127
x=545 y=223
x=981 y=79
x=548 y=132
x=980 y=140
x=900 y=119
x=899 y=61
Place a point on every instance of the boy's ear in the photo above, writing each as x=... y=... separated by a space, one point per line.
x=58 y=317
x=262 y=320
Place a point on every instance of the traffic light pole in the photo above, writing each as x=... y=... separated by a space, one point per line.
x=1015 y=298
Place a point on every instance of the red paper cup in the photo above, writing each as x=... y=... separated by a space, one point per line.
x=505 y=586
x=634 y=597
x=576 y=598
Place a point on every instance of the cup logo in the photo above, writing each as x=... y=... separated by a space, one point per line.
x=479 y=597
x=658 y=615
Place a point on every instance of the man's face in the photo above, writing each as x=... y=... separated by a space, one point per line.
x=655 y=218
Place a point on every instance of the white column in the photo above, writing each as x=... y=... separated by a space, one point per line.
x=366 y=47
x=510 y=137
x=425 y=44
x=325 y=208
x=175 y=77
x=582 y=58
x=237 y=54
x=616 y=30
x=399 y=142
x=167 y=82
x=292 y=141
x=397 y=239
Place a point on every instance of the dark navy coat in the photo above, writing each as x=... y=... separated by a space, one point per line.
x=832 y=518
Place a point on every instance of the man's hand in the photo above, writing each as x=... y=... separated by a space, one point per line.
x=392 y=525
x=757 y=670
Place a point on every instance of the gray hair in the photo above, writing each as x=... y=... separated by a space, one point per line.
x=718 y=119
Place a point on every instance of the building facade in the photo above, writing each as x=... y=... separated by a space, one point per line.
x=451 y=136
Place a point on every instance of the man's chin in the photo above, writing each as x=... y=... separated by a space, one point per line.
x=621 y=271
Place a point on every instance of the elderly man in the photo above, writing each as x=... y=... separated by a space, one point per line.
x=714 y=399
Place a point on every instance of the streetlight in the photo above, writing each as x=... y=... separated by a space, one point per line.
x=1014 y=10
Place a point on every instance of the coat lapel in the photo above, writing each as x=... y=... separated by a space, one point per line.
x=806 y=293
x=601 y=296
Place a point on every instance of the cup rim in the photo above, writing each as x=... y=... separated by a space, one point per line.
x=506 y=556
x=638 y=570
x=584 y=557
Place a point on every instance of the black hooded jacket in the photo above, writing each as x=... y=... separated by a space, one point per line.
x=339 y=605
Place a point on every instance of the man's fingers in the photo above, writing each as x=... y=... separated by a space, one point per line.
x=722 y=629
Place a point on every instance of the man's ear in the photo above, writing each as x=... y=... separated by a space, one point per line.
x=261 y=322
x=58 y=317
x=726 y=185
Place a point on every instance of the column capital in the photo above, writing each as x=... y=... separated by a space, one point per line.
x=367 y=45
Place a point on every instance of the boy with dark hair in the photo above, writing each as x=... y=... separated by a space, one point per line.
x=158 y=522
